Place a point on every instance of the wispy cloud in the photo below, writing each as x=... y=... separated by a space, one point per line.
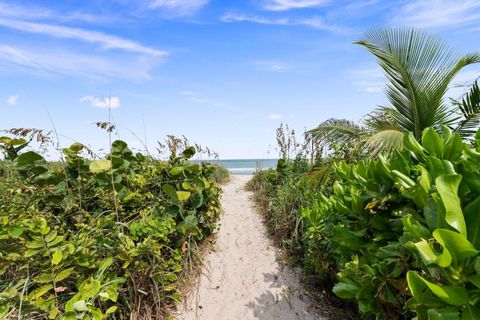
x=368 y=80
x=275 y=116
x=201 y=99
x=179 y=7
x=12 y=100
x=41 y=61
x=271 y=66
x=313 y=22
x=106 y=41
x=462 y=83
x=283 y=5
x=439 y=13
x=41 y=13
x=106 y=103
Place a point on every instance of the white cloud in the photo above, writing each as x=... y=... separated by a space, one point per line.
x=439 y=13
x=106 y=41
x=462 y=83
x=283 y=5
x=107 y=103
x=369 y=80
x=40 y=13
x=236 y=17
x=314 y=22
x=271 y=66
x=200 y=99
x=41 y=61
x=275 y=116
x=179 y=7
x=12 y=100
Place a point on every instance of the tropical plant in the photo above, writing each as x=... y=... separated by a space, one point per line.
x=402 y=232
x=97 y=239
x=419 y=69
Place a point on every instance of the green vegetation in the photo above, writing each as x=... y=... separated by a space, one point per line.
x=96 y=239
x=419 y=69
x=385 y=215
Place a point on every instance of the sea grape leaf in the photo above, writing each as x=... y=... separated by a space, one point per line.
x=183 y=195
x=100 y=166
x=170 y=191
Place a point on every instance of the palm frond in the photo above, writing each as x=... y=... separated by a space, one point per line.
x=384 y=141
x=469 y=106
x=320 y=174
x=336 y=131
x=419 y=69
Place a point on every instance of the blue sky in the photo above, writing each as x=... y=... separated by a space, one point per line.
x=223 y=73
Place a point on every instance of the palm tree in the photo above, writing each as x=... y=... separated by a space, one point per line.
x=419 y=69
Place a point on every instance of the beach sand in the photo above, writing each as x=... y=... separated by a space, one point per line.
x=241 y=278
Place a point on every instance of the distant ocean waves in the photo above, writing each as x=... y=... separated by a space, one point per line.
x=246 y=166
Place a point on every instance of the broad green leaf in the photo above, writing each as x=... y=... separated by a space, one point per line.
x=40 y=291
x=76 y=147
x=27 y=159
x=43 y=278
x=455 y=296
x=170 y=191
x=472 y=220
x=475 y=279
x=471 y=313
x=453 y=148
x=434 y=314
x=346 y=290
x=189 y=152
x=80 y=306
x=183 y=195
x=51 y=236
x=432 y=142
x=438 y=167
x=412 y=144
x=15 y=231
x=99 y=166
x=176 y=171
x=64 y=274
x=415 y=228
x=89 y=288
x=57 y=256
x=35 y=244
x=402 y=179
x=458 y=246
x=447 y=186
x=430 y=257
x=111 y=310
x=472 y=180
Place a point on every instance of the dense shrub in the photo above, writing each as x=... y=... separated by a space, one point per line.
x=403 y=231
x=104 y=238
x=397 y=235
x=280 y=194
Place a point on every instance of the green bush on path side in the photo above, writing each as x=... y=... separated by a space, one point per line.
x=100 y=239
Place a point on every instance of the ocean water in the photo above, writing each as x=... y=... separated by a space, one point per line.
x=246 y=166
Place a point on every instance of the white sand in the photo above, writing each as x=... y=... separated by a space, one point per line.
x=241 y=278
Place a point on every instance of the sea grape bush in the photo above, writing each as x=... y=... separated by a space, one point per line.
x=403 y=231
x=99 y=239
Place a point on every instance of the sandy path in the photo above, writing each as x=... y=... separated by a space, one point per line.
x=241 y=278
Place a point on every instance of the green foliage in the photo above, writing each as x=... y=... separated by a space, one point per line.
x=419 y=68
x=99 y=239
x=402 y=232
